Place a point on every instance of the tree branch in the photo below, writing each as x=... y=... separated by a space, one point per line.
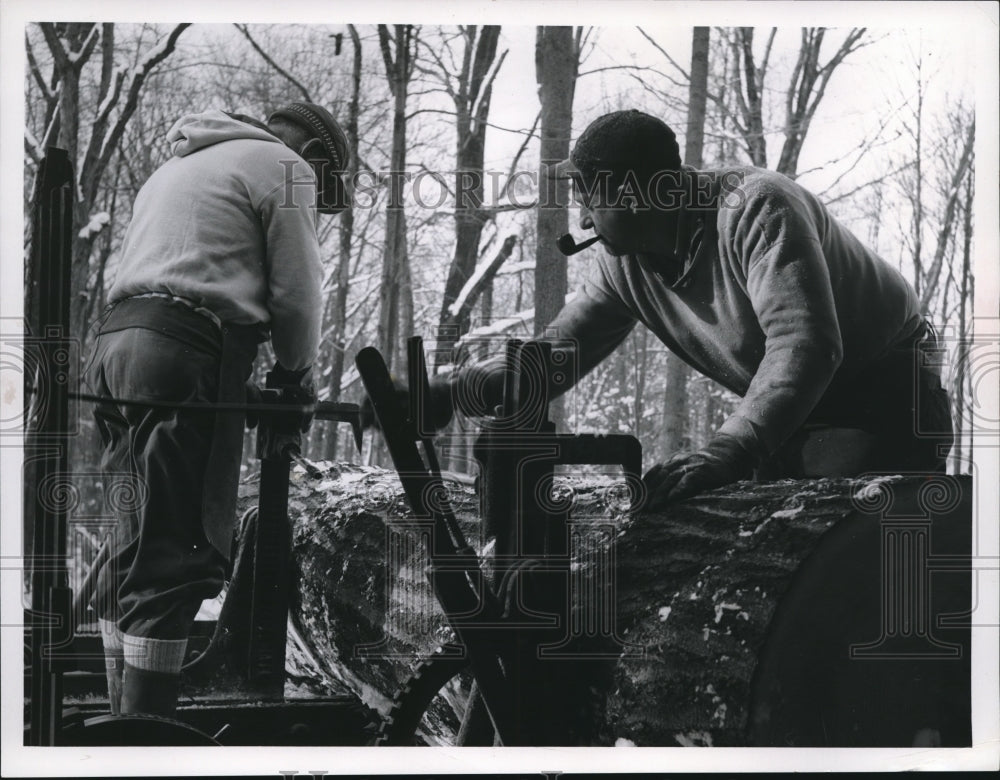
x=849 y=193
x=517 y=157
x=767 y=57
x=48 y=92
x=32 y=148
x=827 y=70
x=55 y=45
x=390 y=67
x=154 y=57
x=467 y=298
x=306 y=95
x=684 y=73
x=87 y=48
x=944 y=232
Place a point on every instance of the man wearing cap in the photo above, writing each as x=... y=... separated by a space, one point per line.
x=750 y=280
x=221 y=253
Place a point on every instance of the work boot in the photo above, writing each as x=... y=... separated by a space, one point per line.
x=149 y=693
x=114 y=662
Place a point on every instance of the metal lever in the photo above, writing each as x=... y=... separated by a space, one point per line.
x=341 y=412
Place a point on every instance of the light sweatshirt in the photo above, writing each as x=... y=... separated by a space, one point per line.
x=229 y=223
x=775 y=300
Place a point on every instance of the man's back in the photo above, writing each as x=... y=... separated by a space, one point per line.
x=228 y=224
x=742 y=240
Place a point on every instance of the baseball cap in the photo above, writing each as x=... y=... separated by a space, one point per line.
x=332 y=194
x=619 y=142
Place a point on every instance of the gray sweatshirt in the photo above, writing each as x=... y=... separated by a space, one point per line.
x=774 y=300
x=229 y=222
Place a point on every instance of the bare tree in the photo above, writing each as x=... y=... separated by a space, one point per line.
x=742 y=103
x=338 y=326
x=961 y=389
x=90 y=145
x=557 y=54
x=675 y=399
x=396 y=305
x=946 y=226
x=470 y=90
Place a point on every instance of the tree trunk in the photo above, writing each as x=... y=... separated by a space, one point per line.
x=806 y=87
x=962 y=371
x=556 y=62
x=346 y=237
x=471 y=96
x=753 y=82
x=946 y=227
x=675 y=397
x=917 y=225
x=395 y=266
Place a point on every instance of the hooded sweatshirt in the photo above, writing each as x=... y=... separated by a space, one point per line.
x=229 y=223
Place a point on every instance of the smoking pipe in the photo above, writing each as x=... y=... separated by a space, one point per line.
x=568 y=246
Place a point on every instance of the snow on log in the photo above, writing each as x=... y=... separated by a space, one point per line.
x=694 y=591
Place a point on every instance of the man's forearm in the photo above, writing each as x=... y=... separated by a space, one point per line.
x=788 y=385
x=583 y=334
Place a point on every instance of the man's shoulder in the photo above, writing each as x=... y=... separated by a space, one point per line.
x=256 y=150
x=752 y=197
x=751 y=184
x=265 y=167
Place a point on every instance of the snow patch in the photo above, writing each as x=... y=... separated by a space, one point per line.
x=36 y=147
x=723 y=606
x=516 y=268
x=97 y=223
x=664 y=613
x=694 y=739
x=501 y=326
x=468 y=287
x=869 y=492
x=623 y=742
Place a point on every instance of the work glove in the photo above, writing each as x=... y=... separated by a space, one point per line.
x=281 y=433
x=439 y=400
x=297 y=389
x=722 y=461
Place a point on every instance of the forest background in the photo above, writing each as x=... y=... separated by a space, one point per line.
x=880 y=123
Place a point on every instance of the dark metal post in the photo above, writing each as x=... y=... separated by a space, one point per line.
x=49 y=620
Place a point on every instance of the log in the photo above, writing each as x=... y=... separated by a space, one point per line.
x=693 y=595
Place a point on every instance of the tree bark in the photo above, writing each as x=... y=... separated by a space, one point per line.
x=962 y=372
x=557 y=56
x=681 y=616
x=395 y=286
x=471 y=96
x=803 y=95
x=556 y=63
x=346 y=237
x=675 y=397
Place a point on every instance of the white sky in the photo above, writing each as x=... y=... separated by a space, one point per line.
x=851 y=107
